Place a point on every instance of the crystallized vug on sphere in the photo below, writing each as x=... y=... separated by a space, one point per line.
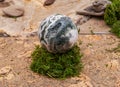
x=57 y=33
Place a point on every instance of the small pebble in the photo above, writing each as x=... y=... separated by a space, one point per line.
x=14 y=11
x=48 y=2
x=5 y=70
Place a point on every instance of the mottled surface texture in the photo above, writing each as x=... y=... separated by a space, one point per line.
x=57 y=33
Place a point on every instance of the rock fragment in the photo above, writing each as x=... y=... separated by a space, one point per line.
x=14 y=11
x=47 y=2
x=5 y=70
x=6 y=73
x=3 y=34
x=96 y=9
x=113 y=65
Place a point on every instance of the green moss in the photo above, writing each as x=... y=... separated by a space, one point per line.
x=116 y=28
x=57 y=65
x=112 y=12
x=112 y=16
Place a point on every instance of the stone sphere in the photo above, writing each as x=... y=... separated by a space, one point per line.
x=57 y=33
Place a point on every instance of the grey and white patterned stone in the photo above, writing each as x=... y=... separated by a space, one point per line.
x=57 y=33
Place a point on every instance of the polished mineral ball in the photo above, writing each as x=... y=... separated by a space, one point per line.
x=57 y=33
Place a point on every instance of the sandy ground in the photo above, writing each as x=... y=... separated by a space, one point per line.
x=101 y=66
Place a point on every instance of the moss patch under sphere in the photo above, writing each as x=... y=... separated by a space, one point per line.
x=57 y=65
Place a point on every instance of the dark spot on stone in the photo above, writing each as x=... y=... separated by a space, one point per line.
x=2 y=0
x=48 y=2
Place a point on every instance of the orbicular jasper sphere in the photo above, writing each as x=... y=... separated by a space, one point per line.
x=57 y=33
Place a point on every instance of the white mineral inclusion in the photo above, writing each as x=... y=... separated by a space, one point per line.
x=57 y=33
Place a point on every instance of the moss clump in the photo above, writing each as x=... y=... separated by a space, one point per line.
x=116 y=28
x=57 y=65
x=112 y=16
x=112 y=12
